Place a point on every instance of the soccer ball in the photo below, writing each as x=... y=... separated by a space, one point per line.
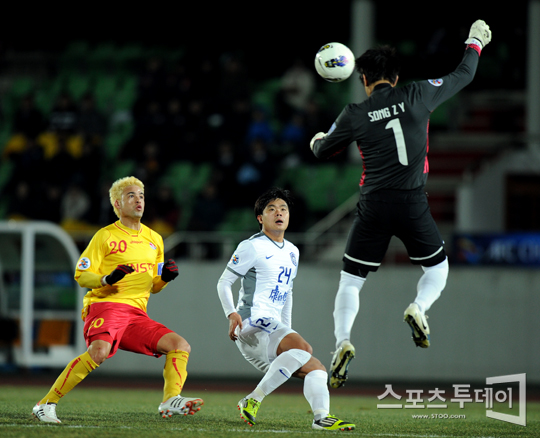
x=334 y=62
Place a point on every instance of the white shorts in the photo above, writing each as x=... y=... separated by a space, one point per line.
x=259 y=339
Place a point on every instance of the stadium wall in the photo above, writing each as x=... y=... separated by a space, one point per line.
x=485 y=324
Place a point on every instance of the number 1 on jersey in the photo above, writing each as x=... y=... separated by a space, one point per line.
x=395 y=126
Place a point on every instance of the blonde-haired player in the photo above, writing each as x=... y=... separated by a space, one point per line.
x=122 y=266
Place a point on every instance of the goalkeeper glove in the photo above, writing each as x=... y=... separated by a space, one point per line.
x=120 y=272
x=169 y=271
x=480 y=34
x=318 y=136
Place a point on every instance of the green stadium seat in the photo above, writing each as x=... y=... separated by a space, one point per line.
x=264 y=94
x=123 y=168
x=77 y=85
x=22 y=86
x=180 y=175
x=347 y=183
x=104 y=92
x=6 y=169
x=239 y=219
x=101 y=55
x=129 y=53
x=116 y=139
x=44 y=99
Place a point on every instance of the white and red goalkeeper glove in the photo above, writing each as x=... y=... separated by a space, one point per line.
x=479 y=35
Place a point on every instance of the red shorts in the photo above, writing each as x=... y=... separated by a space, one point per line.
x=124 y=327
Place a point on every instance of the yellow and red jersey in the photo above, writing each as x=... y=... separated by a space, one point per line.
x=116 y=245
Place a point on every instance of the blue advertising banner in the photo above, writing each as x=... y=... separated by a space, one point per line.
x=504 y=249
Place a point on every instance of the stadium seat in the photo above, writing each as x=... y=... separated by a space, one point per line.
x=6 y=169
x=77 y=85
x=126 y=92
x=180 y=175
x=22 y=86
x=102 y=56
x=104 y=92
x=53 y=332
x=239 y=219
x=264 y=94
x=129 y=54
x=45 y=97
x=117 y=138
x=347 y=182
x=317 y=185
x=123 y=168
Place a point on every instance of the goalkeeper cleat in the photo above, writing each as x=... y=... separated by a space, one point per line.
x=340 y=364
x=180 y=405
x=332 y=423
x=248 y=410
x=45 y=412
x=419 y=326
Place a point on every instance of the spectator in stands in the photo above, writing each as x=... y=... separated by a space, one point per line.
x=293 y=137
x=297 y=87
x=29 y=162
x=174 y=128
x=61 y=167
x=23 y=202
x=256 y=170
x=196 y=135
x=150 y=164
x=50 y=204
x=92 y=124
x=152 y=81
x=150 y=124
x=208 y=211
x=234 y=80
x=314 y=117
x=28 y=120
x=226 y=163
x=164 y=211
x=63 y=118
x=75 y=204
x=260 y=127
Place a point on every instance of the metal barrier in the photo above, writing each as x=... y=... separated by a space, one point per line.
x=56 y=355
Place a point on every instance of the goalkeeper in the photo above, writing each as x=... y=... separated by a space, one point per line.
x=390 y=129
x=121 y=266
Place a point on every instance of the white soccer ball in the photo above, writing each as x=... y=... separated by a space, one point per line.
x=334 y=62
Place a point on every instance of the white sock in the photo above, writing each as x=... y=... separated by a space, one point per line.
x=280 y=370
x=431 y=284
x=317 y=394
x=346 y=305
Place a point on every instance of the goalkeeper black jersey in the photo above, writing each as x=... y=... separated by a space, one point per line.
x=390 y=129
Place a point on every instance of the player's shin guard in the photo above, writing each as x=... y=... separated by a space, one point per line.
x=174 y=373
x=431 y=284
x=73 y=374
x=316 y=393
x=346 y=305
x=281 y=369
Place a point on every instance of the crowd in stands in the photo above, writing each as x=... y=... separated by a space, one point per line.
x=199 y=114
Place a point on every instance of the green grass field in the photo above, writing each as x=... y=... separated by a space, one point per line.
x=101 y=412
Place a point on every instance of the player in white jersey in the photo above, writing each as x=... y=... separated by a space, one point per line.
x=260 y=323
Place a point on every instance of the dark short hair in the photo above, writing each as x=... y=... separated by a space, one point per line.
x=268 y=196
x=378 y=63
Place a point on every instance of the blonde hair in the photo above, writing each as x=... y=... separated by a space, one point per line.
x=115 y=192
